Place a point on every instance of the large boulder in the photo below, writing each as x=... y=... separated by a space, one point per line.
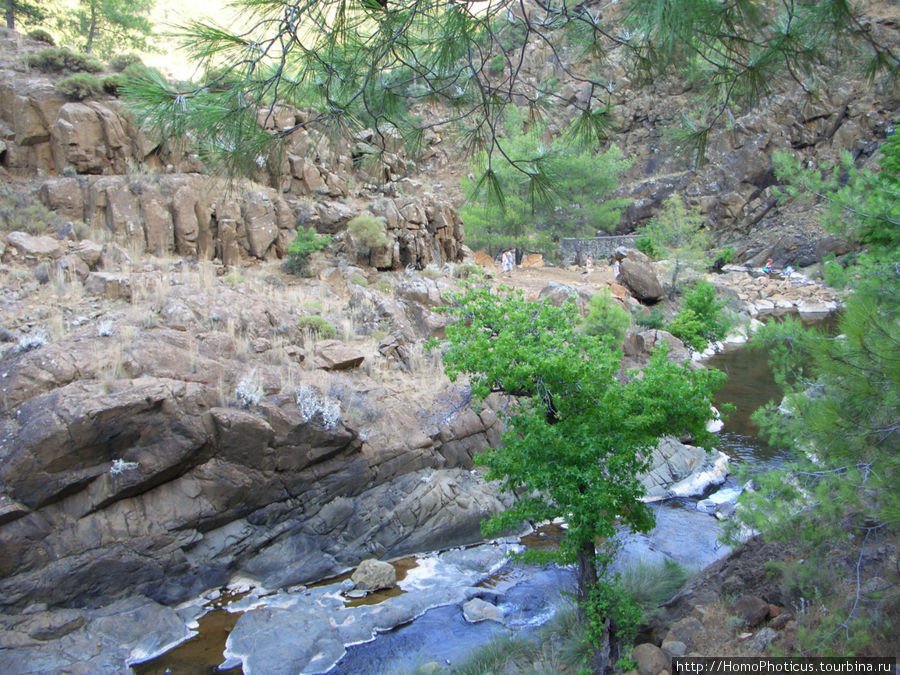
x=34 y=248
x=639 y=278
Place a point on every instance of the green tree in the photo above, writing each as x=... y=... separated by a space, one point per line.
x=363 y=62
x=307 y=242
x=105 y=26
x=579 y=435
x=29 y=11
x=576 y=199
x=678 y=232
x=841 y=416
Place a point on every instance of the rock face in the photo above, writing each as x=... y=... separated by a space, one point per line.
x=679 y=470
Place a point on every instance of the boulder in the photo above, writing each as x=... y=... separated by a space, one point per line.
x=623 y=252
x=687 y=631
x=533 y=260
x=64 y=196
x=34 y=248
x=373 y=575
x=651 y=660
x=337 y=355
x=476 y=610
x=639 y=278
x=557 y=294
x=108 y=285
x=751 y=610
x=484 y=260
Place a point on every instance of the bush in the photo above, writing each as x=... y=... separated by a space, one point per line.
x=112 y=84
x=654 y=320
x=834 y=272
x=307 y=242
x=81 y=86
x=58 y=60
x=606 y=318
x=41 y=35
x=701 y=319
x=318 y=325
x=688 y=328
x=120 y=62
x=648 y=247
x=367 y=231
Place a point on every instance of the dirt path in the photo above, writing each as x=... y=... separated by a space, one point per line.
x=531 y=280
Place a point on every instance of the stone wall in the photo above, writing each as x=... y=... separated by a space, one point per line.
x=598 y=247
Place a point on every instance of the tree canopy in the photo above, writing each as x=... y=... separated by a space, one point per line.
x=364 y=63
x=579 y=434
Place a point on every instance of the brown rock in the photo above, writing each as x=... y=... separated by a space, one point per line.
x=159 y=229
x=259 y=222
x=483 y=259
x=34 y=248
x=78 y=139
x=751 y=610
x=640 y=279
x=108 y=285
x=336 y=355
x=533 y=260
x=64 y=196
x=650 y=659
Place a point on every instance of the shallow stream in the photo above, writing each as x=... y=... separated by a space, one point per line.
x=528 y=596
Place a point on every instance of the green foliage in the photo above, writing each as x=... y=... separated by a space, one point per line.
x=701 y=319
x=307 y=242
x=648 y=247
x=41 y=35
x=579 y=436
x=841 y=417
x=317 y=325
x=833 y=271
x=726 y=255
x=606 y=318
x=547 y=192
x=81 y=86
x=58 y=60
x=608 y=603
x=368 y=231
x=688 y=327
x=860 y=205
x=678 y=231
x=120 y=62
x=112 y=84
x=106 y=26
x=652 y=320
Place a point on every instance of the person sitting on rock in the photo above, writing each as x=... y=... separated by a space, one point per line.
x=769 y=268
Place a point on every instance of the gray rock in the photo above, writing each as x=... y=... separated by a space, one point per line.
x=476 y=610
x=764 y=638
x=674 y=649
x=373 y=575
x=688 y=631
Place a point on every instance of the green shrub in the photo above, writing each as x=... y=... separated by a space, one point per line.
x=359 y=280
x=648 y=247
x=317 y=325
x=58 y=60
x=726 y=255
x=606 y=318
x=41 y=35
x=688 y=328
x=307 y=242
x=653 y=320
x=498 y=64
x=368 y=231
x=81 y=86
x=834 y=272
x=702 y=300
x=120 y=62
x=112 y=83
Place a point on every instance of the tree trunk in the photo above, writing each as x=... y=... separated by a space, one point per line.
x=93 y=31
x=11 y=14
x=674 y=281
x=587 y=581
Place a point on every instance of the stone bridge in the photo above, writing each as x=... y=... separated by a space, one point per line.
x=572 y=250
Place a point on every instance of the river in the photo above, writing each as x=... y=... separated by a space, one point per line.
x=527 y=596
